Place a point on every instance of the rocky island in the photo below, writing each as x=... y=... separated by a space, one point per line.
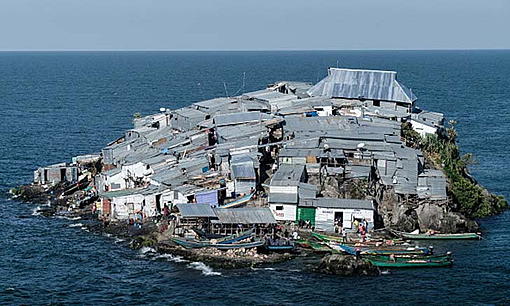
x=241 y=180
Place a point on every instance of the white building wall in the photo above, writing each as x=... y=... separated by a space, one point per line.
x=423 y=129
x=325 y=217
x=115 y=182
x=283 y=189
x=326 y=110
x=283 y=212
x=122 y=207
x=134 y=170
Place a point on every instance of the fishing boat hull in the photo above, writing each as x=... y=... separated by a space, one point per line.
x=245 y=245
x=235 y=238
x=279 y=248
x=352 y=250
x=188 y=243
x=412 y=263
x=407 y=257
x=465 y=236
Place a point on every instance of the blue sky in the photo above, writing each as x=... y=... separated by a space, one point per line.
x=253 y=25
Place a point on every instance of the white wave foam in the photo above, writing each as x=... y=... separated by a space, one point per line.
x=36 y=211
x=206 y=270
x=170 y=257
x=118 y=240
x=68 y=218
x=147 y=250
x=76 y=225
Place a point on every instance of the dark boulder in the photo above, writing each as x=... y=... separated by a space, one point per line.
x=346 y=265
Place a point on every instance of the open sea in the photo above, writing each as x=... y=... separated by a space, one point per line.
x=55 y=105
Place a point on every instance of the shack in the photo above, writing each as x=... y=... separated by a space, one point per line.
x=197 y=216
x=331 y=210
x=55 y=174
x=235 y=220
x=123 y=204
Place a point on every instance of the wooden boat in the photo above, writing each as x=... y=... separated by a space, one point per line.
x=190 y=243
x=194 y=244
x=321 y=247
x=382 y=251
x=224 y=239
x=228 y=246
x=463 y=236
x=236 y=237
x=407 y=257
x=329 y=238
x=288 y=247
x=207 y=236
x=238 y=202
x=411 y=263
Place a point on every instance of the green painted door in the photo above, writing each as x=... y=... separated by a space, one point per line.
x=306 y=213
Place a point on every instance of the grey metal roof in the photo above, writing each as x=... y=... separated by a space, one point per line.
x=338 y=203
x=366 y=84
x=432 y=184
x=196 y=211
x=189 y=112
x=277 y=197
x=239 y=118
x=214 y=103
x=307 y=191
x=243 y=171
x=247 y=215
x=288 y=174
x=242 y=130
x=428 y=118
x=290 y=152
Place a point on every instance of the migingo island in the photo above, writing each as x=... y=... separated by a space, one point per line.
x=349 y=172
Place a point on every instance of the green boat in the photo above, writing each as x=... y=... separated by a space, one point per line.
x=327 y=238
x=411 y=263
x=316 y=246
x=462 y=236
x=330 y=238
x=407 y=257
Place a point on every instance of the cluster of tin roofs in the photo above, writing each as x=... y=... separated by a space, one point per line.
x=347 y=125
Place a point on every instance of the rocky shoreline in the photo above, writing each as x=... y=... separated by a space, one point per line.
x=148 y=236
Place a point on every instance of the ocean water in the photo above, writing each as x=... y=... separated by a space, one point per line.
x=58 y=105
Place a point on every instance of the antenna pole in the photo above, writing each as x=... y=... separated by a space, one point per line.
x=225 y=86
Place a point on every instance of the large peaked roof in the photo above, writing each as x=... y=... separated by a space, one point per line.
x=366 y=84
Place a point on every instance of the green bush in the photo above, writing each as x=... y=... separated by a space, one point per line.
x=472 y=199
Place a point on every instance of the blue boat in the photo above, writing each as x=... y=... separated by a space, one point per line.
x=287 y=247
x=246 y=245
x=383 y=251
x=235 y=238
x=189 y=243
x=242 y=200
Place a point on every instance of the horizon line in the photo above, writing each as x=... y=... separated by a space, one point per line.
x=245 y=50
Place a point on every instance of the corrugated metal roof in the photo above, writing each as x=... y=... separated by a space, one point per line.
x=338 y=203
x=239 y=118
x=288 y=174
x=277 y=197
x=307 y=191
x=196 y=211
x=189 y=112
x=247 y=215
x=243 y=171
x=214 y=103
x=366 y=84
